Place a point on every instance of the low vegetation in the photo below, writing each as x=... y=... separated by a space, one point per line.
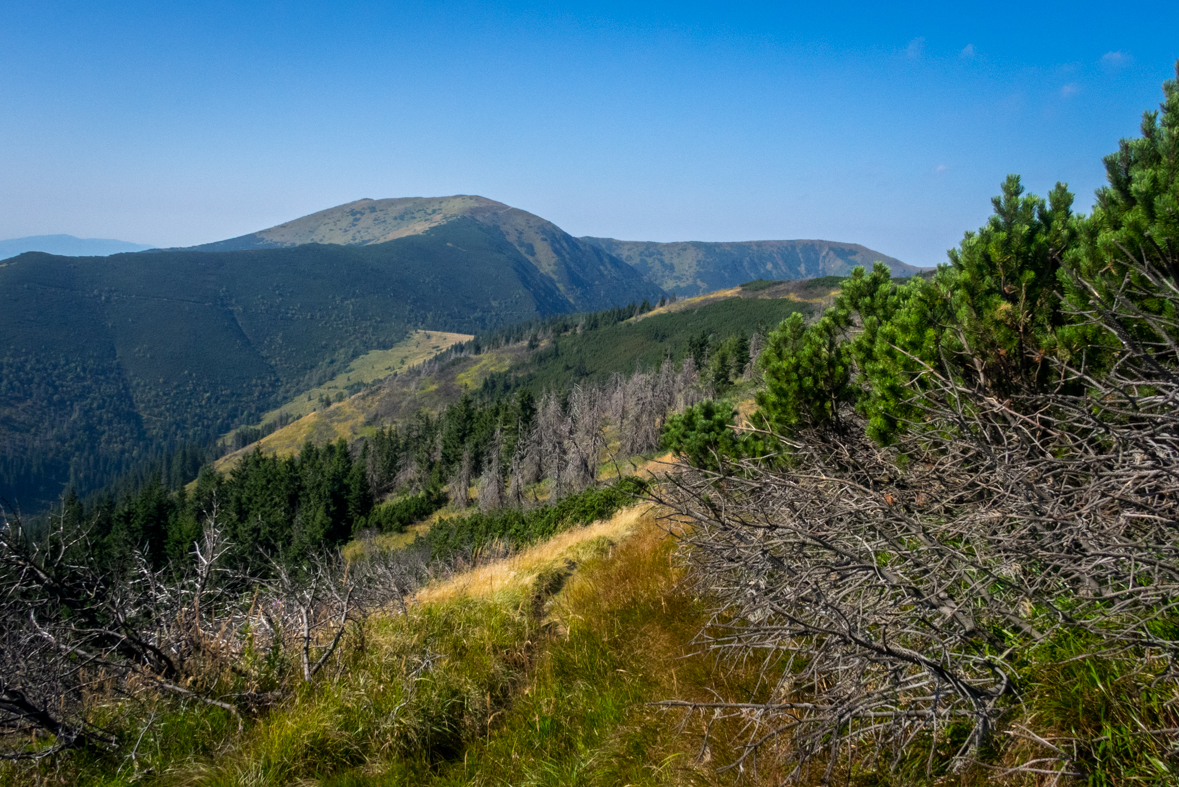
x=953 y=512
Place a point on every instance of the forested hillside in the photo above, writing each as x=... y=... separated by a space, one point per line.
x=107 y=357
x=551 y=354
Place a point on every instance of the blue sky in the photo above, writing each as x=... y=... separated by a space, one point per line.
x=181 y=123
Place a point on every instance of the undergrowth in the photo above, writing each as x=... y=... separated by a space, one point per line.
x=550 y=677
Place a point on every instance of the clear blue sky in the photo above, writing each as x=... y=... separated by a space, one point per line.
x=176 y=123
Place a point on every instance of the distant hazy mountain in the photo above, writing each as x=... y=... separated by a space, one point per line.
x=582 y=272
x=693 y=267
x=67 y=246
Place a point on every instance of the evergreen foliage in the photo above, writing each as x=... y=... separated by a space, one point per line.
x=702 y=434
x=603 y=347
x=395 y=516
x=985 y=320
x=977 y=496
x=467 y=535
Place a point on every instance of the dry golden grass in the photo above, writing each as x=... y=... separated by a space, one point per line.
x=344 y=419
x=522 y=569
x=694 y=302
x=321 y=425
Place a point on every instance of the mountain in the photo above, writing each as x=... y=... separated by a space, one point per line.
x=693 y=267
x=67 y=245
x=104 y=359
x=587 y=276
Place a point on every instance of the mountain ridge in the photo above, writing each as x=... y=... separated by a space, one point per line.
x=587 y=275
x=696 y=267
x=103 y=358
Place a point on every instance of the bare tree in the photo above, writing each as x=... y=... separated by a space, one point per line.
x=515 y=493
x=460 y=482
x=410 y=476
x=528 y=461
x=553 y=429
x=585 y=440
x=899 y=596
x=69 y=630
x=756 y=345
x=491 y=483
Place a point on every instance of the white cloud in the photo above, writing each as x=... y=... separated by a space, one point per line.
x=916 y=47
x=941 y=168
x=1116 y=59
x=967 y=51
x=1071 y=89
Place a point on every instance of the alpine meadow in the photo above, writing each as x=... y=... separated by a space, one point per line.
x=431 y=491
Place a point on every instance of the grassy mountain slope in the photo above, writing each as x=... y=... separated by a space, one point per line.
x=693 y=268
x=585 y=275
x=591 y=354
x=105 y=356
x=537 y=669
x=376 y=365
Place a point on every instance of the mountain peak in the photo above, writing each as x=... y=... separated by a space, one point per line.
x=587 y=276
x=364 y=222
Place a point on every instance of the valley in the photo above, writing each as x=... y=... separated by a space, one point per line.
x=462 y=514
x=415 y=349
x=116 y=361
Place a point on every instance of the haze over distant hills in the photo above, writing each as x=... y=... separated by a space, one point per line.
x=693 y=267
x=67 y=246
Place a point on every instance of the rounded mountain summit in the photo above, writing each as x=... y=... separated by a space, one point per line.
x=581 y=274
x=589 y=272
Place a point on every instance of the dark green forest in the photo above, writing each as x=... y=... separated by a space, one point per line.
x=285 y=509
x=596 y=347
x=106 y=359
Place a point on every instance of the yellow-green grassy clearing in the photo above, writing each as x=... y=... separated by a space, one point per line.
x=488 y=363
x=385 y=542
x=784 y=290
x=376 y=365
x=344 y=419
x=694 y=302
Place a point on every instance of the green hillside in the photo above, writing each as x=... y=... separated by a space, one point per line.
x=550 y=354
x=593 y=354
x=105 y=357
x=692 y=267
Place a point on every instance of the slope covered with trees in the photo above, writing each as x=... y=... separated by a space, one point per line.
x=106 y=358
